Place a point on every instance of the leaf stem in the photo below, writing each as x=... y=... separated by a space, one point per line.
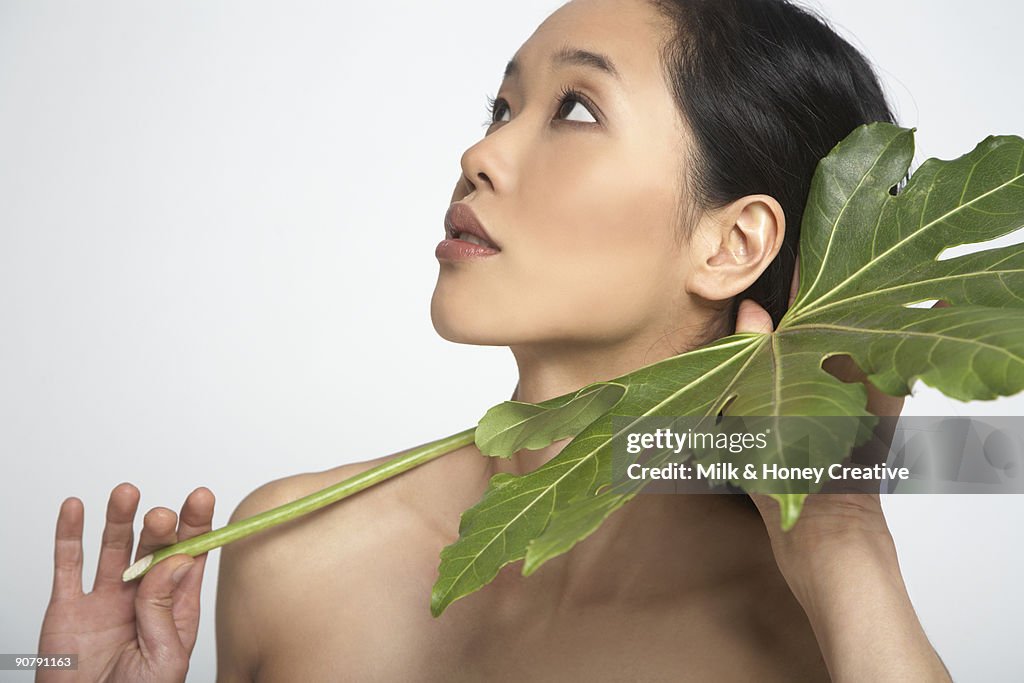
x=198 y=545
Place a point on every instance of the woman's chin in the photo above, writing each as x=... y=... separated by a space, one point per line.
x=459 y=332
x=456 y=325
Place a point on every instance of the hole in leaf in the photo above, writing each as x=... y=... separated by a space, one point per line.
x=842 y=367
x=931 y=303
x=1015 y=237
x=725 y=407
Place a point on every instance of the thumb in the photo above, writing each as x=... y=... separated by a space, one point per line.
x=154 y=602
x=751 y=317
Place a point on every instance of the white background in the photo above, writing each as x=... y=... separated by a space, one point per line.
x=217 y=223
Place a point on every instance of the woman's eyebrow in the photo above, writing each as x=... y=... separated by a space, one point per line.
x=573 y=56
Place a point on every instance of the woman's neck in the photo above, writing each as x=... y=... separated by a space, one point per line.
x=646 y=527
x=556 y=370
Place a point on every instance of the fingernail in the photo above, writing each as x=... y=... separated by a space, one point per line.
x=180 y=572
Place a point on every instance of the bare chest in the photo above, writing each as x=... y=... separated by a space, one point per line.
x=394 y=638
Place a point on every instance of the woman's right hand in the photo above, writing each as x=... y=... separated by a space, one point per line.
x=140 y=631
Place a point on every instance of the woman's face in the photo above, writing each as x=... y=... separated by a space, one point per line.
x=580 y=191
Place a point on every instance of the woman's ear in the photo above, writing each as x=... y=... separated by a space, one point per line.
x=732 y=246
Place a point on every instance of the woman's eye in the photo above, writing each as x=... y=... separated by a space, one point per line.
x=496 y=110
x=498 y=114
x=572 y=104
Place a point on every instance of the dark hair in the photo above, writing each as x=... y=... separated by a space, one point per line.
x=767 y=89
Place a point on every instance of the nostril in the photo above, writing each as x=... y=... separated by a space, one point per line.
x=466 y=187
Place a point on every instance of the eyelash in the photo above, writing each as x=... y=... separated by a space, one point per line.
x=566 y=93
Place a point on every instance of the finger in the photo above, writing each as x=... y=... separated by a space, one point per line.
x=187 y=603
x=116 y=548
x=158 y=636
x=752 y=318
x=881 y=403
x=196 y=518
x=196 y=513
x=794 y=285
x=843 y=368
x=67 y=550
x=158 y=530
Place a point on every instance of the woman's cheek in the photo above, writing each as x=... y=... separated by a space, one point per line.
x=593 y=293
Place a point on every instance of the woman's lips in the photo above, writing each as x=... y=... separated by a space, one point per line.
x=465 y=236
x=460 y=250
x=461 y=222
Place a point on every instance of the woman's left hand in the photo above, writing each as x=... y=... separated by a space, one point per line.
x=841 y=563
x=830 y=525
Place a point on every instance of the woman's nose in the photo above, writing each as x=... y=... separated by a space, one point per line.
x=486 y=166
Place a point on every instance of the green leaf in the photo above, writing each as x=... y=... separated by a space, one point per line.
x=513 y=425
x=866 y=254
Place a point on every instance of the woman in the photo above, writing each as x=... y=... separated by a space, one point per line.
x=645 y=170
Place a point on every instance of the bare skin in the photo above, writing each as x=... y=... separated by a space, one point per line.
x=582 y=195
x=698 y=588
x=675 y=588
x=783 y=605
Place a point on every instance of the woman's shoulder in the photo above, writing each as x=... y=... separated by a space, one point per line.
x=406 y=519
x=324 y=572
x=415 y=485
x=318 y=579
x=270 y=559
x=292 y=487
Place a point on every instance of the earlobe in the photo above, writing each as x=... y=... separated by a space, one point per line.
x=739 y=243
